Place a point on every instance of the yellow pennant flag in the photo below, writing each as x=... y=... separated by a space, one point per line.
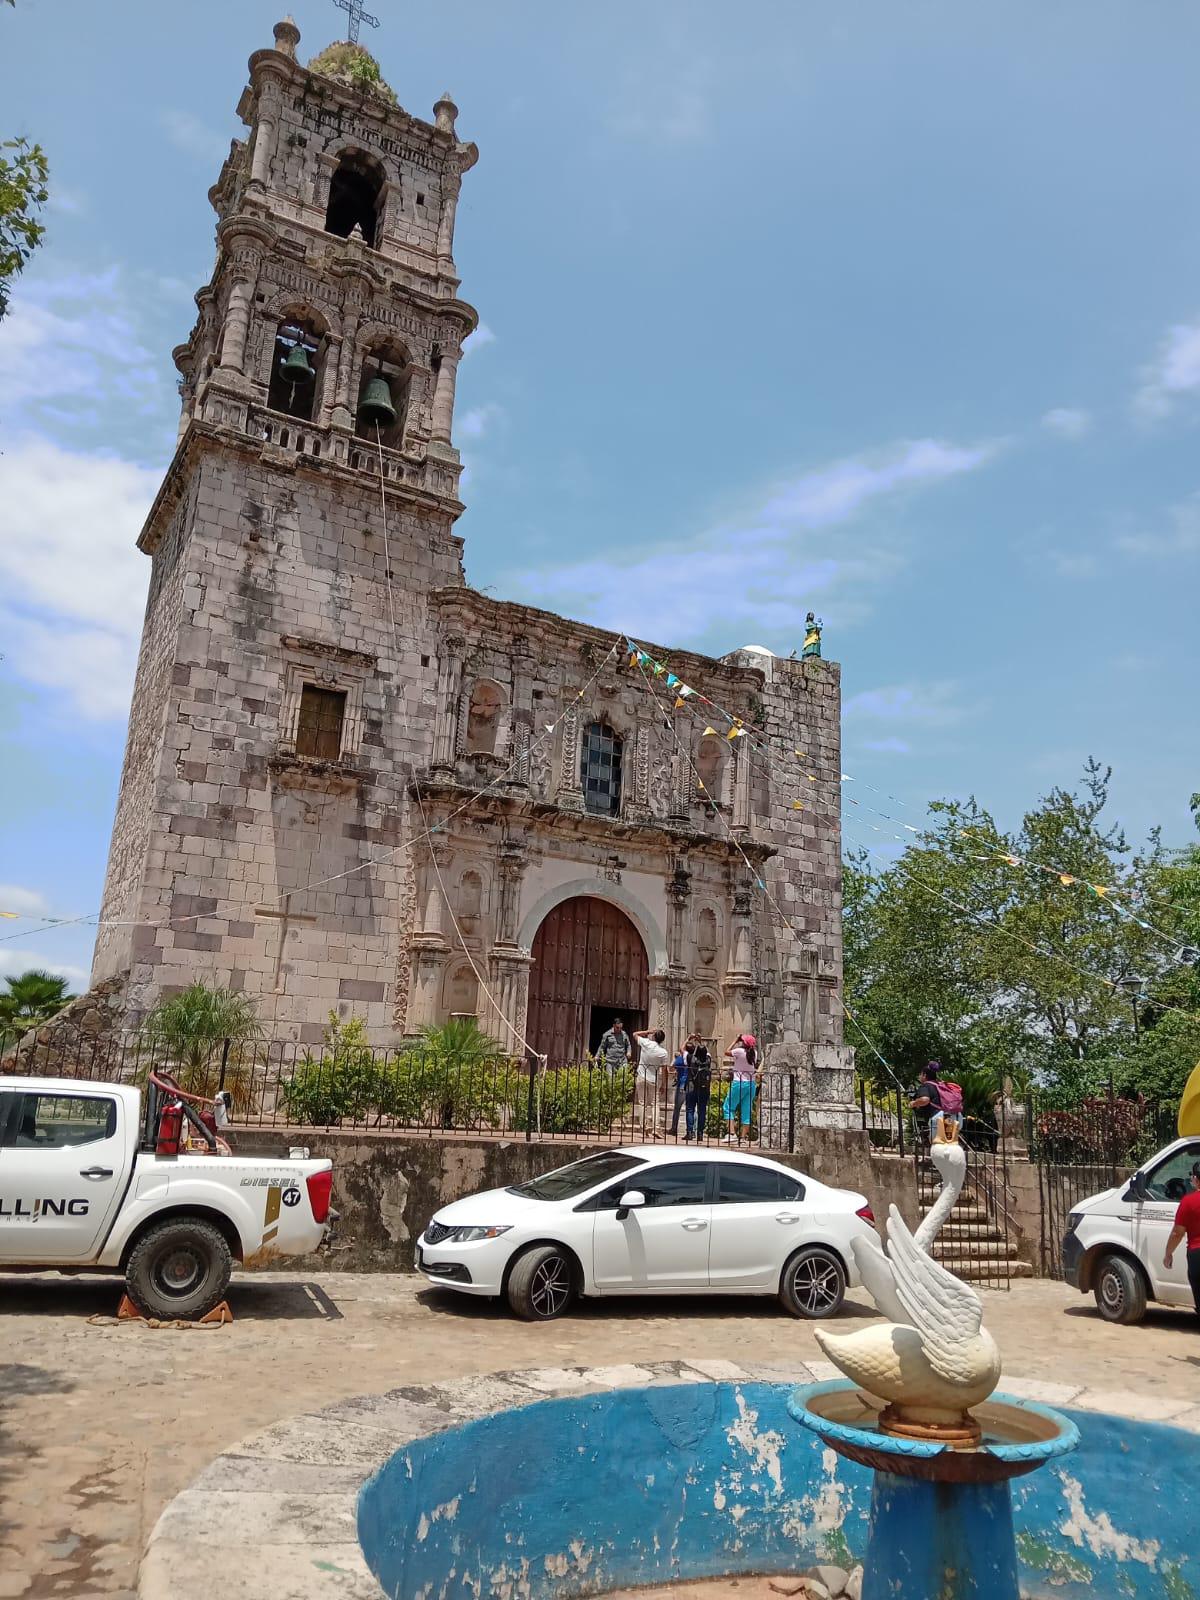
x=13 y=915
x=736 y=733
x=1065 y=877
x=1100 y=888
x=800 y=753
x=797 y=805
x=707 y=731
x=699 y=783
x=811 y=776
x=680 y=702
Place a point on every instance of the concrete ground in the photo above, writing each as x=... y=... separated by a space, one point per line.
x=102 y=1424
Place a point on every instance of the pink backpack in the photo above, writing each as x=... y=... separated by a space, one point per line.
x=951 y=1098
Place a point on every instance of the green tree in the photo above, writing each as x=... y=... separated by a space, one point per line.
x=990 y=952
x=33 y=997
x=24 y=172
x=188 y=1032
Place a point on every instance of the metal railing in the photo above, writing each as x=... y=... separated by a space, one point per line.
x=281 y=1084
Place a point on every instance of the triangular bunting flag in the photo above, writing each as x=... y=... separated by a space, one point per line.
x=707 y=732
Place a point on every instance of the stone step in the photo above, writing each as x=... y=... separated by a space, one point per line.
x=987 y=1270
x=968 y=1213
x=965 y=1229
x=991 y=1248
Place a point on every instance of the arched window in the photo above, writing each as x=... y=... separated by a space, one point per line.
x=383 y=394
x=355 y=195
x=600 y=769
x=483 y=717
x=295 y=370
x=470 y=896
x=710 y=770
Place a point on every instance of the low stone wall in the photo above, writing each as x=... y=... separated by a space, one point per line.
x=387 y=1186
x=66 y=1044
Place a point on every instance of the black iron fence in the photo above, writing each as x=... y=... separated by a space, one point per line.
x=281 y=1084
x=1085 y=1148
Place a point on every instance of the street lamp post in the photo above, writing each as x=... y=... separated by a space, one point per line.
x=1133 y=988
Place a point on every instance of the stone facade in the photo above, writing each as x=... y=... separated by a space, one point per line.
x=398 y=862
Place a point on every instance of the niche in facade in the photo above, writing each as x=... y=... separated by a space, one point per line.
x=355 y=197
x=710 y=770
x=483 y=717
x=295 y=370
x=706 y=1018
x=706 y=936
x=460 y=992
x=470 y=897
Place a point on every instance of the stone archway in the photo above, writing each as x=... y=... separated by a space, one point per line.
x=589 y=964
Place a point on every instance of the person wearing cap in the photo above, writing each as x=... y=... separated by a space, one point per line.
x=739 y=1100
x=1187 y=1226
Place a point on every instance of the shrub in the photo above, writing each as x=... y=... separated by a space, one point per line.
x=1097 y=1129
x=576 y=1099
x=345 y=1082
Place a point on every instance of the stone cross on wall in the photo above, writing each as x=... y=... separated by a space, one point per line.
x=357 y=15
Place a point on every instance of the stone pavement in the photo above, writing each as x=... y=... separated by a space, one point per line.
x=101 y=1425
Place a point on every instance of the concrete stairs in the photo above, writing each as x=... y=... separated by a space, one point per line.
x=971 y=1243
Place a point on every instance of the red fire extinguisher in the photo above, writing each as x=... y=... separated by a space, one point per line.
x=170 y=1130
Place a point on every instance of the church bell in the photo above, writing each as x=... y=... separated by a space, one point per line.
x=376 y=404
x=297 y=368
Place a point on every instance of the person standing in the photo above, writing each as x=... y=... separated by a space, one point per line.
x=926 y=1103
x=680 y=1068
x=615 y=1050
x=1187 y=1226
x=699 y=1087
x=652 y=1058
x=739 y=1100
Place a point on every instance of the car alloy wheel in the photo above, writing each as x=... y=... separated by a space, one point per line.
x=551 y=1287
x=816 y=1284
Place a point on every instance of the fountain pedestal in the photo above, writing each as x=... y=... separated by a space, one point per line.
x=941 y=1519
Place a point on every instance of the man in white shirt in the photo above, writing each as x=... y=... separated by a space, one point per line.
x=652 y=1058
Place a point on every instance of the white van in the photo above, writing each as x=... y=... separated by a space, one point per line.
x=1116 y=1240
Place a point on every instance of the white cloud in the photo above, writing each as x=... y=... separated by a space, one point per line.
x=14 y=961
x=72 y=582
x=889 y=746
x=754 y=572
x=70 y=349
x=25 y=902
x=1067 y=422
x=476 y=341
x=1180 y=538
x=475 y=423
x=931 y=703
x=194 y=137
x=1174 y=371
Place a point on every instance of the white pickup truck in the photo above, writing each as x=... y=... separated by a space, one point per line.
x=89 y=1182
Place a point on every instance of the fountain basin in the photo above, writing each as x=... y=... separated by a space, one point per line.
x=1018 y=1436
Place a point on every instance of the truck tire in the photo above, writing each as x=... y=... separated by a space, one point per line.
x=1120 y=1290
x=179 y=1269
x=813 y=1283
x=541 y=1284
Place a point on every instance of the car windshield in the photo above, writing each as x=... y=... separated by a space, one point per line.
x=564 y=1183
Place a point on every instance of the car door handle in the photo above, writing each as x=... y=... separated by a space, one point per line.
x=95 y=1172
x=694 y=1224
x=786 y=1216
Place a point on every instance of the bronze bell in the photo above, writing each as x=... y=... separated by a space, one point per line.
x=297 y=368
x=376 y=404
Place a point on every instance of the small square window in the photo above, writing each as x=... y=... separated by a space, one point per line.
x=425 y=661
x=420 y=199
x=319 y=730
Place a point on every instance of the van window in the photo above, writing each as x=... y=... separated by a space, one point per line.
x=1171 y=1179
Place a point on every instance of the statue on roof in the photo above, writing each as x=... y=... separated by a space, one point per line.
x=812 y=637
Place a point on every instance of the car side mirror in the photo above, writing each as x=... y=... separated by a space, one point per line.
x=630 y=1201
x=1137 y=1187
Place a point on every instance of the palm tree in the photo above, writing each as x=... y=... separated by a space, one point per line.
x=33 y=997
x=189 y=1031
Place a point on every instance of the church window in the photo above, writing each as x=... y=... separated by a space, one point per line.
x=295 y=370
x=355 y=198
x=319 y=730
x=600 y=769
x=383 y=395
x=483 y=717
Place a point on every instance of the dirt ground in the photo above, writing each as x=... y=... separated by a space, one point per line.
x=100 y=1425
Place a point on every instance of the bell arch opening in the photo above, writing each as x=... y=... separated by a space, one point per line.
x=296 y=368
x=589 y=966
x=355 y=197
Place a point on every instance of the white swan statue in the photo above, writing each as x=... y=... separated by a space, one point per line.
x=933 y=1359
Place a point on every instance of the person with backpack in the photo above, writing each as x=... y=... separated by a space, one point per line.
x=937 y=1105
x=679 y=1066
x=699 y=1087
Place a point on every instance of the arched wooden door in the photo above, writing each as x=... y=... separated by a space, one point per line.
x=589 y=965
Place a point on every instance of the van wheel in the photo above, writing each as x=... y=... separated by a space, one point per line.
x=1120 y=1291
x=813 y=1283
x=541 y=1284
x=179 y=1269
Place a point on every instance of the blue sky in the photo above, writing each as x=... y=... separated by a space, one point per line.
x=891 y=311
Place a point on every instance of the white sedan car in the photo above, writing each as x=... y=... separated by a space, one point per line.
x=649 y=1220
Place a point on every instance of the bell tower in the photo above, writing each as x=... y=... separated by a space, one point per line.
x=287 y=679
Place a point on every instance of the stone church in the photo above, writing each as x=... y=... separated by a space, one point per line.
x=351 y=782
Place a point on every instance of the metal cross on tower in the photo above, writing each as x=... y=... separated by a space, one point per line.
x=357 y=15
